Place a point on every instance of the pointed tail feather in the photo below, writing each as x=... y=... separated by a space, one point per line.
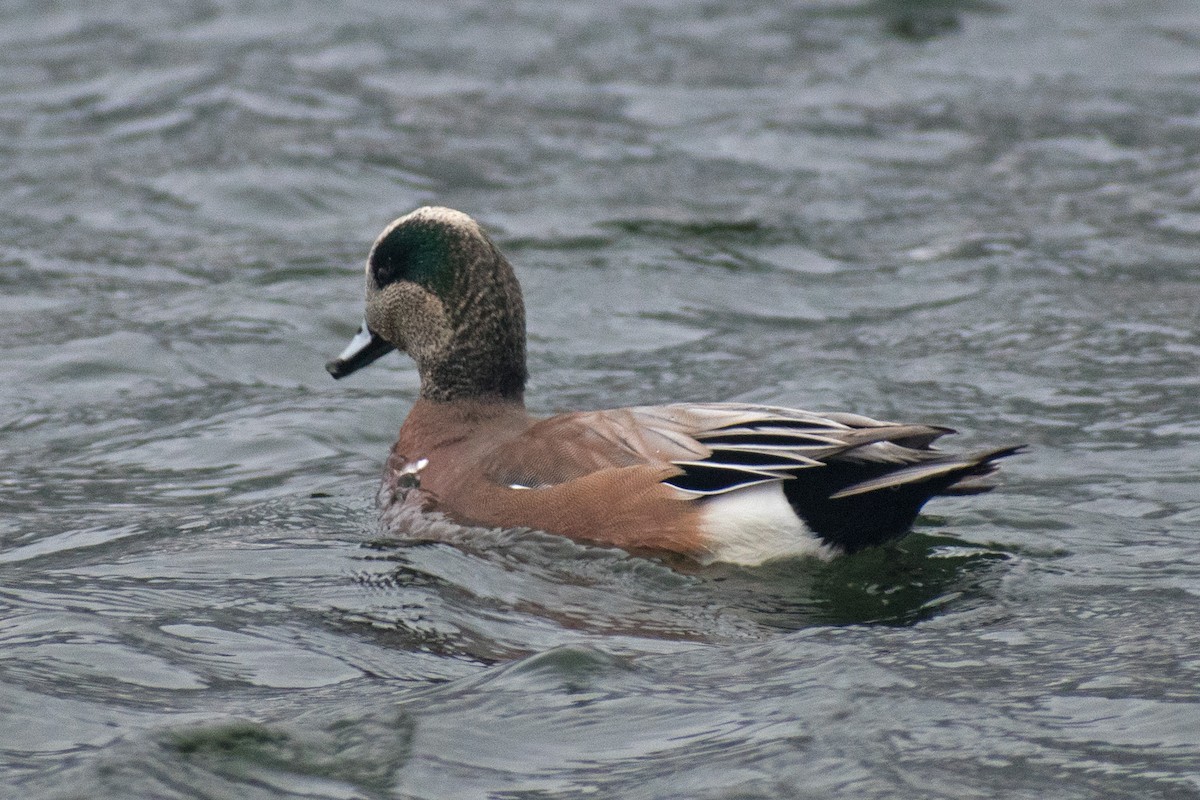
x=968 y=468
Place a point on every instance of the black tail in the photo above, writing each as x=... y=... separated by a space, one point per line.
x=855 y=504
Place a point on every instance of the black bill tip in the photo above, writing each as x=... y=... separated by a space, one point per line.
x=364 y=348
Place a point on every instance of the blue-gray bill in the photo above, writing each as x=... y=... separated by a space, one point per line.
x=364 y=348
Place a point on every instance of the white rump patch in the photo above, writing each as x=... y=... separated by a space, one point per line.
x=754 y=525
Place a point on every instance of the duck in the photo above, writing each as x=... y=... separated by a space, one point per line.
x=739 y=483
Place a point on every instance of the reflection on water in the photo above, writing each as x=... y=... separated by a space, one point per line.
x=897 y=585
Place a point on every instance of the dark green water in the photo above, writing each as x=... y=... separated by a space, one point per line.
x=984 y=215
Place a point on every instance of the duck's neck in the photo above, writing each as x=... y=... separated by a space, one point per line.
x=448 y=382
x=483 y=365
x=484 y=355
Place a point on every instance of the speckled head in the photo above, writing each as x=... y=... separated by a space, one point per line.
x=439 y=290
x=420 y=248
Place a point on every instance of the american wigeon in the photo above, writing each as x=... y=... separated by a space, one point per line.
x=715 y=481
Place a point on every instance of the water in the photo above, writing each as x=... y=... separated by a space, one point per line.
x=978 y=214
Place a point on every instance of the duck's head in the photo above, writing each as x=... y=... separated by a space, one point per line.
x=439 y=290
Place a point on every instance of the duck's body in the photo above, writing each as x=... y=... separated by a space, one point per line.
x=716 y=482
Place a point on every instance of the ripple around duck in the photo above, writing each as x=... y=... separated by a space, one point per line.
x=539 y=577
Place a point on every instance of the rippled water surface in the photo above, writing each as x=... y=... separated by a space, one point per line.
x=979 y=214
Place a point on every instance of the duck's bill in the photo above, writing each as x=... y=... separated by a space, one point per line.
x=364 y=348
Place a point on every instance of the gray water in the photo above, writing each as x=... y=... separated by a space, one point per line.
x=984 y=215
